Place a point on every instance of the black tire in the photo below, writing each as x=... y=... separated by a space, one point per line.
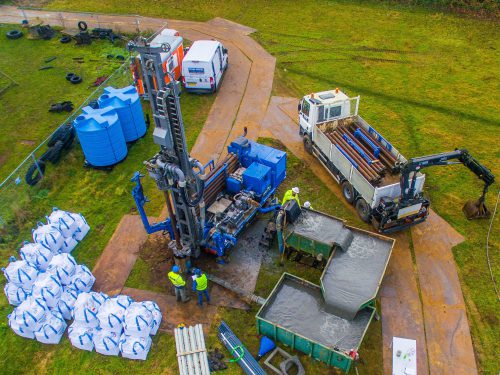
x=65 y=39
x=56 y=152
x=69 y=141
x=103 y=35
x=69 y=76
x=348 y=192
x=33 y=175
x=363 y=209
x=82 y=25
x=308 y=144
x=110 y=56
x=120 y=57
x=14 y=34
x=76 y=80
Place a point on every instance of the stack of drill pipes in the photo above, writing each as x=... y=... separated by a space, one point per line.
x=187 y=348
x=180 y=356
x=203 y=350
x=362 y=165
x=373 y=163
x=385 y=155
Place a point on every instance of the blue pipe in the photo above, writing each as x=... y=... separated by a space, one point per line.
x=360 y=151
x=140 y=200
x=265 y=210
x=381 y=139
x=347 y=156
x=376 y=150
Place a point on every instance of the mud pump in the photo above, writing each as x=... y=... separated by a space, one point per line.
x=208 y=205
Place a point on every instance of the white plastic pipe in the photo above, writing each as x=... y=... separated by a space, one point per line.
x=180 y=358
x=201 y=338
x=187 y=348
x=194 y=347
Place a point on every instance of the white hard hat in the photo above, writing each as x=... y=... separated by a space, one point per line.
x=296 y=190
x=307 y=204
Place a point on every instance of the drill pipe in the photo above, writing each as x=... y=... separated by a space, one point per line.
x=383 y=151
x=362 y=164
x=377 y=166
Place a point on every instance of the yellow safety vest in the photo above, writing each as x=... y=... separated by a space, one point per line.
x=201 y=282
x=176 y=279
x=289 y=195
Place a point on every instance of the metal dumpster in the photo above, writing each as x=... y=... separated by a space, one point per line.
x=295 y=314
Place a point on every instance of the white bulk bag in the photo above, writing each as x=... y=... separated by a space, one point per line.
x=31 y=313
x=49 y=236
x=106 y=342
x=36 y=254
x=83 y=227
x=82 y=280
x=20 y=273
x=138 y=320
x=67 y=302
x=64 y=266
x=155 y=310
x=64 y=221
x=111 y=316
x=135 y=347
x=85 y=310
x=99 y=297
x=48 y=288
x=81 y=336
x=19 y=329
x=52 y=328
x=123 y=300
x=68 y=245
x=15 y=294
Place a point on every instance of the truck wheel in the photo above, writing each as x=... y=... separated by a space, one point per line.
x=348 y=191
x=364 y=211
x=308 y=144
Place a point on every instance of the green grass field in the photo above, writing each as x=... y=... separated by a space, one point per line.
x=429 y=82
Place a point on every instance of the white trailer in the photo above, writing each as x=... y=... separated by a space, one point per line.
x=204 y=66
x=322 y=112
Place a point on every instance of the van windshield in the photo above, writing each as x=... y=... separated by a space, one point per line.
x=196 y=70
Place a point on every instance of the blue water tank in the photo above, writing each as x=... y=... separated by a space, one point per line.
x=127 y=105
x=101 y=136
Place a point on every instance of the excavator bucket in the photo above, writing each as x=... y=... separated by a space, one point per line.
x=475 y=209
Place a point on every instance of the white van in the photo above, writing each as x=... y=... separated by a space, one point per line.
x=204 y=65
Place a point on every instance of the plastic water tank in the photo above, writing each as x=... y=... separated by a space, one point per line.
x=101 y=136
x=127 y=104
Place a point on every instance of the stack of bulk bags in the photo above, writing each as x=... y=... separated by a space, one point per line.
x=48 y=288
x=36 y=255
x=135 y=341
x=63 y=266
x=49 y=236
x=82 y=280
x=28 y=317
x=72 y=226
x=20 y=276
x=85 y=324
x=155 y=311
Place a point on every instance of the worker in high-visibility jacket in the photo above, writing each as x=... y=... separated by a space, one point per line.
x=200 y=284
x=179 y=284
x=293 y=193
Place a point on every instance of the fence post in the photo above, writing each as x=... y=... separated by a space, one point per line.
x=61 y=18
x=98 y=22
x=36 y=163
x=25 y=17
x=137 y=25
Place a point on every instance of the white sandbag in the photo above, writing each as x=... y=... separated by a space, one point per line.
x=52 y=328
x=64 y=221
x=48 y=288
x=49 y=236
x=155 y=310
x=15 y=294
x=135 y=347
x=36 y=255
x=138 y=320
x=20 y=273
x=31 y=313
x=68 y=245
x=67 y=302
x=111 y=316
x=83 y=227
x=82 y=280
x=123 y=300
x=63 y=266
x=81 y=336
x=85 y=310
x=106 y=342
x=19 y=329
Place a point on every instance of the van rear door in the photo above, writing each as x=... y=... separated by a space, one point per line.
x=197 y=75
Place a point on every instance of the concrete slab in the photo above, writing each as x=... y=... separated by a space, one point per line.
x=449 y=342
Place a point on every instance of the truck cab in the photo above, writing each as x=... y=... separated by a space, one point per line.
x=322 y=107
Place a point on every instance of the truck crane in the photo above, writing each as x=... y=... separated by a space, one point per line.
x=208 y=205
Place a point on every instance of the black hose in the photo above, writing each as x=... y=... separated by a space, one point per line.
x=35 y=173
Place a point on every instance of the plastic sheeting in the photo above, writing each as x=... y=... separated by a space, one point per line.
x=81 y=336
x=157 y=316
x=20 y=273
x=82 y=280
x=48 y=236
x=67 y=302
x=48 y=288
x=15 y=294
x=107 y=342
x=31 y=313
x=51 y=329
x=134 y=347
x=138 y=320
x=64 y=221
x=64 y=266
x=36 y=255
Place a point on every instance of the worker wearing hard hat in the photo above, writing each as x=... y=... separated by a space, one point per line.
x=308 y=205
x=200 y=284
x=293 y=193
x=179 y=284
